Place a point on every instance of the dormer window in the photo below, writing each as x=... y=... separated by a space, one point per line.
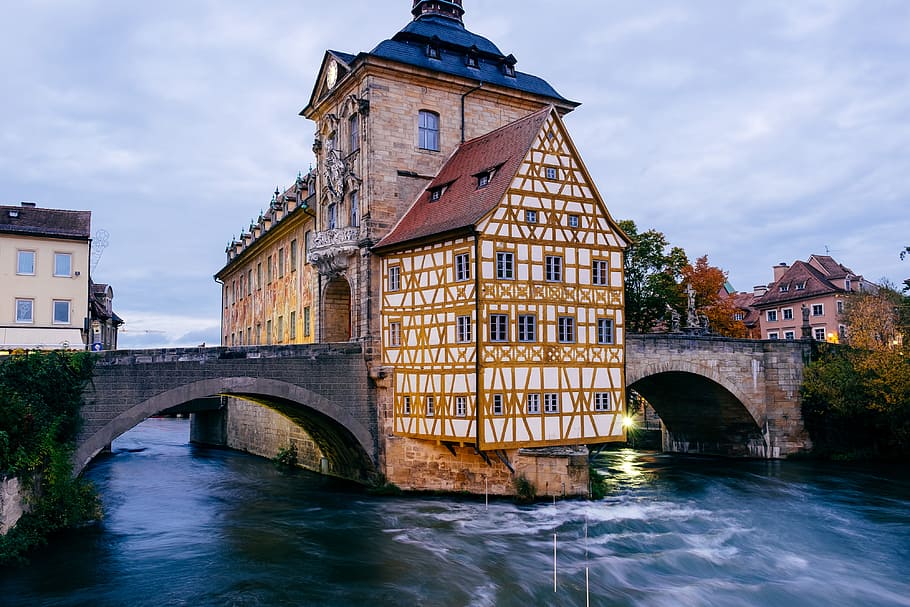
x=784 y=288
x=432 y=51
x=435 y=194
x=508 y=66
x=483 y=180
x=472 y=61
x=801 y=285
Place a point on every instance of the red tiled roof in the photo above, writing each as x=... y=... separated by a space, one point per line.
x=53 y=223
x=462 y=204
x=830 y=267
x=815 y=281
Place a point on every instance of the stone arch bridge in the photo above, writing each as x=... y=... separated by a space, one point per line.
x=714 y=395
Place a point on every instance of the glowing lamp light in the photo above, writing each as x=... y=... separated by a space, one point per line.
x=832 y=338
x=628 y=422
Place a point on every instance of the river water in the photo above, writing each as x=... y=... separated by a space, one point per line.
x=185 y=525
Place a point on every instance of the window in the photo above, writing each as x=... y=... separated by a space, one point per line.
x=249 y=282
x=818 y=309
x=435 y=194
x=428 y=131
x=259 y=275
x=566 y=326
x=249 y=335
x=472 y=60
x=394 y=334
x=772 y=315
x=407 y=405
x=281 y=262
x=354 y=209
x=784 y=288
x=789 y=335
x=463 y=329
x=573 y=221
x=431 y=406
x=354 y=124
x=600 y=272
x=268 y=269
x=25 y=263
x=63 y=264
x=461 y=406
x=483 y=180
x=819 y=334
x=738 y=316
x=499 y=327
x=258 y=333
x=551 y=403
x=551 y=173
x=788 y=313
x=533 y=404
x=279 y=337
x=61 y=312
x=306 y=321
x=602 y=401
x=462 y=267
x=801 y=286
x=25 y=310
x=527 y=328
x=497 y=404
x=840 y=306
x=307 y=245
x=554 y=268
x=848 y=284
x=294 y=255
x=605 y=330
x=773 y=335
x=332 y=220
x=394 y=278
x=432 y=51
x=504 y=266
x=268 y=332
x=293 y=326
x=531 y=216
x=842 y=331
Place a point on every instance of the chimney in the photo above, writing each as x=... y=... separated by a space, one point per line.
x=779 y=270
x=29 y=205
x=759 y=290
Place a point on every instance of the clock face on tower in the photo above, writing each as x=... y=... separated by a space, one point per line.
x=331 y=75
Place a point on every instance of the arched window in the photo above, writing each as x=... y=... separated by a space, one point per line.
x=428 y=130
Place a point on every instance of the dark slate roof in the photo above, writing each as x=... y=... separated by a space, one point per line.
x=815 y=281
x=462 y=203
x=409 y=46
x=50 y=223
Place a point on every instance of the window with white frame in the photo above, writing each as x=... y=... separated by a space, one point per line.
x=602 y=401
x=497 y=404
x=25 y=263
x=25 y=310
x=394 y=334
x=463 y=329
x=818 y=309
x=842 y=331
x=840 y=306
x=505 y=263
x=553 y=268
x=394 y=278
x=63 y=264
x=772 y=315
x=461 y=406
x=773 y=335
x=428 y=130
x=789 y=335
x=566 y=329
x=530 y=216
x=605 y=330
x=499 y=327
x=551 y=403
x=819 y=334
x=431 y=406
x=738 y=316
x=787 y=313
x=406 y=406
x=600 y=272
x=462 y=267
x=527 y=327
x=533 y=404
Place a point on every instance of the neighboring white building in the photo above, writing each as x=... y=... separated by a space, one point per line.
x=44 y=277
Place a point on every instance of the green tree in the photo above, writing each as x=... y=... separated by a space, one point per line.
x=652 y=273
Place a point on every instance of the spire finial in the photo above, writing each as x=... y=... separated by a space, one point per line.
x=450 y=9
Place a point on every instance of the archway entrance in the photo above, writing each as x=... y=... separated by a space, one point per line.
x=336 y=311
x=701 y=416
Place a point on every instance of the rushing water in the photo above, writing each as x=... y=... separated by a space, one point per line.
x=191 y=526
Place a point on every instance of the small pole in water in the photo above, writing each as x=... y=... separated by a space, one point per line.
x=554 y=562
x=587 y=589
x=486 y=494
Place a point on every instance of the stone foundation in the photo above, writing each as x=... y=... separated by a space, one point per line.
x=415 y=465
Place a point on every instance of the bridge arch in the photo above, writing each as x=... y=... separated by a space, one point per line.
x=702 y=410
x=334 y=429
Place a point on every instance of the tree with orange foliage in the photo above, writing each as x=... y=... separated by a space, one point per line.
x=712 y=298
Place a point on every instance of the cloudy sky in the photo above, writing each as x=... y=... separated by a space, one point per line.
x=751 y=131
